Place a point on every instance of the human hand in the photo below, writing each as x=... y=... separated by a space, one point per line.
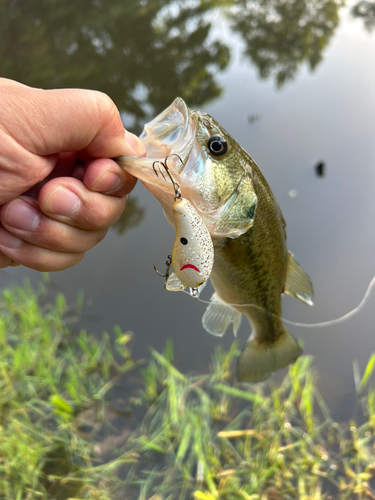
x=59 y=191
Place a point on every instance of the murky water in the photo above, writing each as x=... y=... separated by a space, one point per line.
x=295 y=86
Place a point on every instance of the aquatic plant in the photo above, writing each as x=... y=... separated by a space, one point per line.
x=202 y=436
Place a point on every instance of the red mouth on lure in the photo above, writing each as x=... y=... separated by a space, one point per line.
x=187 y=266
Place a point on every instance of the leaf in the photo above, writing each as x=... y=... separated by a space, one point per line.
x=239 y=393
x=368 y=372
x=61 y=404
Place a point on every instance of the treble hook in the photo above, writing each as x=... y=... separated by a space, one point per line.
x=176 y=186
x=168 y=263
x=158 y=162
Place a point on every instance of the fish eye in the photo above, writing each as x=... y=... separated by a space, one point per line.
x=184 y=241
x=252 y=211
x=217 y=145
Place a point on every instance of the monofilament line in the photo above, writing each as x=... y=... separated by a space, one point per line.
x=331 y=322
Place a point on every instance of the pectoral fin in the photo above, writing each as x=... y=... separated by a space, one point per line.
x=218 y=316
x=297 y=283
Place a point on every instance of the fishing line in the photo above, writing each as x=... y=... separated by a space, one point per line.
x=336 y=321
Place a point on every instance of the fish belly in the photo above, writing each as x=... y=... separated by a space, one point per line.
x=250 y=277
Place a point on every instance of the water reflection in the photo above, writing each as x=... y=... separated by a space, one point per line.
x=366 y=11
x=140 y=53
x=144 y=53
x=280 y=35
x=47 y=46
x=131 y=216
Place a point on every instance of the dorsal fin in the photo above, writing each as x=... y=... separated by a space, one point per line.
x=297 y=283
x=218 y=317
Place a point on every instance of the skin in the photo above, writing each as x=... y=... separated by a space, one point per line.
x=59 y=189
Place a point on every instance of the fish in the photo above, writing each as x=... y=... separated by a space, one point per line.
x=252 y=266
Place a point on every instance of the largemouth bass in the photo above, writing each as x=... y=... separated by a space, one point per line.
x=252 y=266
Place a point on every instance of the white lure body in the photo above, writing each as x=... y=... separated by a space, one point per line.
x=193 y=251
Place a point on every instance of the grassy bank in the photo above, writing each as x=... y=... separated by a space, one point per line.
x=69 y=429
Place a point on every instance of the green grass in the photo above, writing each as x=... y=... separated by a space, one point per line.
x=204 y=437
x=49 y=379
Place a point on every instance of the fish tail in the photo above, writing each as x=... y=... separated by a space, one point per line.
x=259 y=360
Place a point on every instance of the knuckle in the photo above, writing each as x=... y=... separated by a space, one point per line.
x=67 y=239
x=103 y=101
x=53 y=262
x=59 y=240
x=101 y=235
x=4 y=261
x=100 y=219
x=103 y=104
x=106 y=107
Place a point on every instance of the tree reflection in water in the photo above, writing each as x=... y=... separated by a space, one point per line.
x=366 y=11
x=142 y=53
x=131 y=216
x=280 y=35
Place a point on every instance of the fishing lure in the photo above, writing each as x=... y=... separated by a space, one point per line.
x=192 y=256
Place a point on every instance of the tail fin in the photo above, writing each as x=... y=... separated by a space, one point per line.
x=258 y=361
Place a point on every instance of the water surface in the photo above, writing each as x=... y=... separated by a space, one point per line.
x=293 y=84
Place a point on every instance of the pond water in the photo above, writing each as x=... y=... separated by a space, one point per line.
x=294 y=84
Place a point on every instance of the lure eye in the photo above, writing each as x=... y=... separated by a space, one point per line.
x=184 y=241
x=217 y=145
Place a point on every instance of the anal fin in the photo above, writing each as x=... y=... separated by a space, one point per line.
x=218 y=317
x=297 y=283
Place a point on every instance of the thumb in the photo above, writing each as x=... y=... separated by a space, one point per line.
x=54 y=121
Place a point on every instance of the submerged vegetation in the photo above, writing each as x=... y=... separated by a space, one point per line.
x=80 y=419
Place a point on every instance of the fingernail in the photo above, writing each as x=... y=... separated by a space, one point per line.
x=135 y=143
x=22 y=215
x=9 y=240
x=107 y=183
x=62 y=201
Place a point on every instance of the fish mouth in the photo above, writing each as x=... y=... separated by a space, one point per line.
x=168 y=139
x=189 y=266
x=168 y=132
